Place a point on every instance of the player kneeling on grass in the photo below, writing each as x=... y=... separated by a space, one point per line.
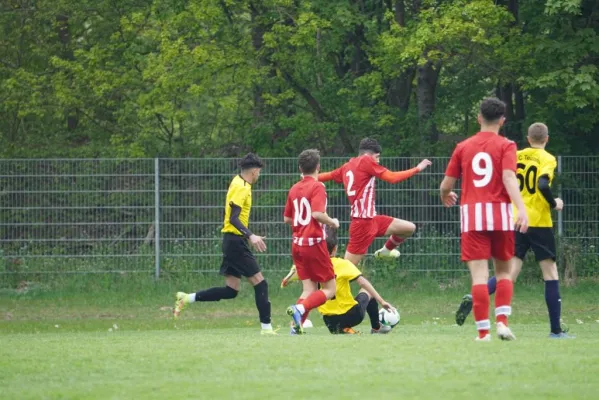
x=342 y=313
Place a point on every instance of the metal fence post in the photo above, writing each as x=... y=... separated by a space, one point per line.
x=157 y=217
x=560 y=215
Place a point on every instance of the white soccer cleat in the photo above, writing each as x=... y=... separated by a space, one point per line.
x=386 y=253
x=307 y=324
x=486 y=338
x=504 y=333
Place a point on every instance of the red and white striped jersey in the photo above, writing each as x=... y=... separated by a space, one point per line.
x=358 y=177
x=304 y=198
x=480 y=161
x=486 y=217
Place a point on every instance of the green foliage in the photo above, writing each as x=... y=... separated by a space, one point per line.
x=196 y=78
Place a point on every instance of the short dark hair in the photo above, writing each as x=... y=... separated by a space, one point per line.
x=308 y=161
x=332 y=240
x=250 y=160
x=370 y=145
x=492 y=109
x=538 y=132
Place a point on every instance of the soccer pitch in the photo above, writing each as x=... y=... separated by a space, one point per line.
x=70 y=348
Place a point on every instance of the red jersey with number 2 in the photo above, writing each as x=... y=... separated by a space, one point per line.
x=479 y=161
x=305 y=197
x=358 y=177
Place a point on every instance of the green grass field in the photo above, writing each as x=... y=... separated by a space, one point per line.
x=66 y=345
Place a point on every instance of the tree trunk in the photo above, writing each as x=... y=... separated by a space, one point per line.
x=428 y=75
x=400 y=88
x=64 y=36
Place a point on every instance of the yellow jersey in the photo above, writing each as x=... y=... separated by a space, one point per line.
x=240 y=194
x=345 y=272
x=532 y=164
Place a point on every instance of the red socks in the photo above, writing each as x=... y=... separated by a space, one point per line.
x=315 y=299
x=480 y=308
x=306 y=312
x=503 y=300
x=393 y=242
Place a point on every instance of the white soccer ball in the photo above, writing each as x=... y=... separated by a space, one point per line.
x=389 y=318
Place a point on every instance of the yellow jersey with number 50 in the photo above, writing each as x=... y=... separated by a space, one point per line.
x=532 y=164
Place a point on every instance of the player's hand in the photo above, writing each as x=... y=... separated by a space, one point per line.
x=559 y=204
x=387 y=306
x=522 y=221
x=423 y=165
x=258 y=243
x=335 y=223
x=450 y=200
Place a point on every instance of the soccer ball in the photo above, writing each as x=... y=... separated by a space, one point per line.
x=389 y=318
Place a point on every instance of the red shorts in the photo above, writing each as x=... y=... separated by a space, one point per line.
x=486 y=244
x=362 y=232
x=313 y=262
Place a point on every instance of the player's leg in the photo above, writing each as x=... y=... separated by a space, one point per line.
x=362 y=233
x=262 y=301
x=397 y=230
x=543 y=245
x=313 y=264
x=476 y=250
x=232 y=247
x=503 y=246
x=371 y=307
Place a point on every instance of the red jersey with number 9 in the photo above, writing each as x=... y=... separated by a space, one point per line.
x=358 y=177
x=304 y=198
x=479 y=161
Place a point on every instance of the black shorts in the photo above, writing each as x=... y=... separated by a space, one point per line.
x=353 y=317
x=540 y=240
x=238 y=260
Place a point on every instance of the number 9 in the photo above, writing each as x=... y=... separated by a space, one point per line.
x=486 y=170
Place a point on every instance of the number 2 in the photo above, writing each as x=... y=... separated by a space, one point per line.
x=302 y=207
x=350 y=183
x=485 y=171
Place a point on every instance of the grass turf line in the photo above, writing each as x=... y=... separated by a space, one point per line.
x=214 y=350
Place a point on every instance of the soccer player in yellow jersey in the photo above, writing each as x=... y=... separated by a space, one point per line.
x=535 y=172
x=238 y=260
x=342 y=313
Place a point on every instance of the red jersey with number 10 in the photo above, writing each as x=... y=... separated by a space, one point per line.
x=479 y=161
x=358 y=177
x=305 y=197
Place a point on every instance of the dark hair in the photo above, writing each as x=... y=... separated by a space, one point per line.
x=370 y=145
x=332 y=240
x=538 y=132
x=492 y=109
x=250 y=160
x=308 y=161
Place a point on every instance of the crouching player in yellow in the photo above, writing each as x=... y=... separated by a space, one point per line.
x=343 y=312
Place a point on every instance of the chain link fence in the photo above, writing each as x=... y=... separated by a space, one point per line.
x=163 y=216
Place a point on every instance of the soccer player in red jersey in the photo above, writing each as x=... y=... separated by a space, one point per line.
x=358 y=176
x=306 y=212
x=486 y=163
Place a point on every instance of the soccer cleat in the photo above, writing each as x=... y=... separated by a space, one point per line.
x=182 y=301
x=349 y=331
x=269 y=332
x=564 y=327
x=384 y=329
x=504 y=333
x=486 y=338
x=294 y=313
x=464 y=310
x=561 y=335
x=290 y=277
x=386 y=253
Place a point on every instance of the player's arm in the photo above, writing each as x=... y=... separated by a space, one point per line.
x=318 y=205
x=367 y=286
x=510 y=182
x=335 y=175
x=288 y=213
x=234 y=220
x=544 y=187
x=396 y=176
x=452 y=173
